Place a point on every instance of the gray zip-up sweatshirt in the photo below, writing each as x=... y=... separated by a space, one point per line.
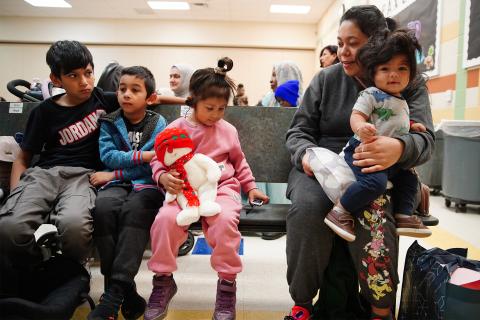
x=323 y=118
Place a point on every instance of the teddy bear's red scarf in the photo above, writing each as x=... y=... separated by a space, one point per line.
x=188 y=192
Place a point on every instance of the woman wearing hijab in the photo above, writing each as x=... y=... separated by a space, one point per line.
x=281 y=73
x=180 y=75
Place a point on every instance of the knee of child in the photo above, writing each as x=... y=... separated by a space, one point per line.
x=377 y=185
x=102 y=208
x=227 y=221
x=103 y=215
x=76 y=243
x=165 y=218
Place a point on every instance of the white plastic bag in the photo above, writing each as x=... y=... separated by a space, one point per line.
x=331 y=171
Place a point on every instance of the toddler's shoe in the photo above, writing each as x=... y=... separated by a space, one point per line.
x=133 y=305
x=341 y=223
x=164 y=288
x=226 y=300
x=107 y=308
x=298 y=313
x=412 y=226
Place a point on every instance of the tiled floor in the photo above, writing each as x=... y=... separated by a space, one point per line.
x=262 y=288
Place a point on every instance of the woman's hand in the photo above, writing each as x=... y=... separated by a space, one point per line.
x=378 y=154
x=306 y=165
x=100 y=178
x=257 y=194
x=171 y=182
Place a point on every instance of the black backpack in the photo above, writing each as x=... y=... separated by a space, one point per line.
x=52 y=291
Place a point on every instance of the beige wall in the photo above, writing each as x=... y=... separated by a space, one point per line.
x=254 y=47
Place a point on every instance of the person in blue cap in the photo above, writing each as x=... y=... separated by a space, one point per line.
x=287 y=93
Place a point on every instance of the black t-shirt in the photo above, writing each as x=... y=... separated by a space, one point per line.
x=68 y=136
x=135 y=131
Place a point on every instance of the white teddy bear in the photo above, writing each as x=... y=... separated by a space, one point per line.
x=200 y=174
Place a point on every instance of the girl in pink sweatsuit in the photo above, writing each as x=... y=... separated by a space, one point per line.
x=210 y=91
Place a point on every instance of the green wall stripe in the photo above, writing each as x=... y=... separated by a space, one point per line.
x=461 y=76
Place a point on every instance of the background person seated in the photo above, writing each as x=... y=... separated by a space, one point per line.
x=287 y=94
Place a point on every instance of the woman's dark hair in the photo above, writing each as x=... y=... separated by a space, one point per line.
x=383 y=46
x=369 y=19
x=65 y=56
x=332 y=49
x=144 y=74
x=211 y=83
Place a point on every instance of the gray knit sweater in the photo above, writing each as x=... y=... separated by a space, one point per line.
x=323 y=118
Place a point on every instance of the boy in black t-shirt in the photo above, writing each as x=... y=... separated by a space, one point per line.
x=64 y=131
x=128 y=199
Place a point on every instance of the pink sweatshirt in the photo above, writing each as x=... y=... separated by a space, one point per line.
x=220 y=142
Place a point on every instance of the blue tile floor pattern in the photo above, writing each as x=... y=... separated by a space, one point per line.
x=202 y=247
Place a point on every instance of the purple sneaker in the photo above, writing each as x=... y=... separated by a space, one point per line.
x=226 y=299
x=164 y=288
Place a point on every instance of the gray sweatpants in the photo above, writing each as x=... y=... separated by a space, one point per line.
x=62 y=196
x=309 y=244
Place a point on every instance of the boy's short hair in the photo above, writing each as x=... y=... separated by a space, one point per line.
x=144 y=74
x=65 y=56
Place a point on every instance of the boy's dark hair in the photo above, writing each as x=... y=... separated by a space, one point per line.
x=383 y=46
x=369 y=19
x=65 y=56
x=240 y=85
x=211 y=83
x=144 y=74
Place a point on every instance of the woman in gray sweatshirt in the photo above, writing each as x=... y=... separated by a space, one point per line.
x=323 y=120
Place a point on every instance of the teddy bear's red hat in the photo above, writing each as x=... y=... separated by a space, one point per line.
x=169 y=139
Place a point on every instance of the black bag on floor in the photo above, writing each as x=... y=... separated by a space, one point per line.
x=426 y=291
x=52 y=291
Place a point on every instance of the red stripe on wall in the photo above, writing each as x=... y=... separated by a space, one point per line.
x=441 y=84
x=472 y=78
x=445 y=83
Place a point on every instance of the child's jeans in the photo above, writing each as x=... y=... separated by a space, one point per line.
x=369 y=186
x=122 y=221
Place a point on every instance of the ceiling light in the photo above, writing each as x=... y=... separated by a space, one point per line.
x=49 y=3
x=291 y=9
x=169 y=5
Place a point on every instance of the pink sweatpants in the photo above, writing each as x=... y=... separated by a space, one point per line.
x=221 y=233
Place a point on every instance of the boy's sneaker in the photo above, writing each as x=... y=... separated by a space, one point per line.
x=298 y=313
x=226 y=300
x=341 y=223
x=412 y=226
x=108 y=307
x=164 y=288
x=133 y=305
